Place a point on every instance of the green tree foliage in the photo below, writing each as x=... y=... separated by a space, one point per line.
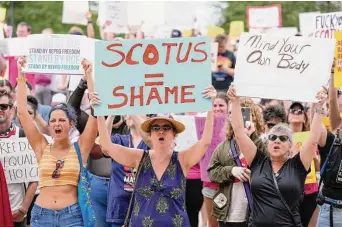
x=290 y=10
x=42 y=15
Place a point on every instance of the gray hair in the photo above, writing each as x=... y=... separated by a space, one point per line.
x=284 y=129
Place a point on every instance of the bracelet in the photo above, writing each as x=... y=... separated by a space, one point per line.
x=92 y=112
x=320 y=111
x=21 y=79
x=89 y=21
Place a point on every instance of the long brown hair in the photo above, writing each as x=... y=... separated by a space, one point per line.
x=257 y=118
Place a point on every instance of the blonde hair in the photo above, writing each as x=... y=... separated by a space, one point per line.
x=257 y=118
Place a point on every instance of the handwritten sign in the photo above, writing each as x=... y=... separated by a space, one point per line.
x=214 y=50
x=74 y=12
x=338 y=61
x=213 y=31
x=54 y=54
x=236 y=28
x=264 y=16
x=218 y=137
x=152 y=76
x=307 y=25
x=187 y=138
x=117 y=13
x=4 y=47
x=326 y=24
x=300 y=139
x=270 y=66
x=19 y=161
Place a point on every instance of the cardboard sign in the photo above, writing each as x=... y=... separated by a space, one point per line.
x=2 y=14
x=152 y=76
x=338 y=62
x=307 y=25
x=300 y=139
x=19 y=161
x=187 y=138
x=271 y=66
x=213 y=31
x=236 y=28
x=218 y=137
x=55 y=54
x=117 y=13
x=74 y=12
x=326 y=24
x=264 y=16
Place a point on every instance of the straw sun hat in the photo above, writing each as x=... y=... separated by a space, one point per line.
x=178 y=126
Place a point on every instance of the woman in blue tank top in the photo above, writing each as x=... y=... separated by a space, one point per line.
x=159 y=198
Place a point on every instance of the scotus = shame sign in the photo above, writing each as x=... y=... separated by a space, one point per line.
x=19 y=161
x=54 y=54
x=152 y=76
x=277 y=67
x=326 y=24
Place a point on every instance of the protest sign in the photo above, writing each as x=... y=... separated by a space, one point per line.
x=187 y=138
x=338 y=60
x=19 y=161
x=236 y=28
x=17 y=47
x=300 y=138
x=307 y=23
x=54 y=54
x=214 y=50
x=218 y=137
x=276 y=67
x=326 y=24
x=152 y=76
x=74 y=12
x=4 y=47
x=2 y=14
x=117 y=13
x=213 y=31
x=264 y=16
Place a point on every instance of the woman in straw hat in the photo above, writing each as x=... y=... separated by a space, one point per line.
x=159 y=198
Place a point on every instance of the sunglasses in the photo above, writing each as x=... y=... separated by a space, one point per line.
x=296 y=112
x=5 y=106
x=270 y=125
x=157 y=128
x=282 y=138
x=57 y=172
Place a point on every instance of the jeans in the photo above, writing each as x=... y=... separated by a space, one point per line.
x=324 y=216
x=98 y=196
x=70 y=216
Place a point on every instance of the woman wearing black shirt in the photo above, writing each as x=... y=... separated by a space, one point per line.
x=290 y=173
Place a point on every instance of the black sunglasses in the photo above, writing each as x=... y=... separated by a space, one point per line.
x=282 y=138
x=296 y=112
x=161 y=127
x=5 y=106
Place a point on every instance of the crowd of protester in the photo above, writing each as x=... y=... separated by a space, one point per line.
x=257 y=173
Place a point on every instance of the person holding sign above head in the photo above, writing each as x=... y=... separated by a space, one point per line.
x=59 y=162
x=228 y=167
x=277 y=179
x=159 y=194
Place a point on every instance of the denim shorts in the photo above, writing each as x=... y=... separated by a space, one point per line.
x=67 y=217
x=324 y=216
x=209 y=192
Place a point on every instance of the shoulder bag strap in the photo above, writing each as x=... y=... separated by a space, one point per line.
x=280 y=195
x=245 y=184
x=77 y=148
x=324 y=166
x=132 y=196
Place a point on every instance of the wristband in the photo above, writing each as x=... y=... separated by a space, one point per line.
x=92 y=112
x=89 y=21
x=21 y=79
x=320 y=111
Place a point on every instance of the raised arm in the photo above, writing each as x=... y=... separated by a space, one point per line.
x=34 y=136
x=90 y=27
x=194 y=154
x=309 y=149
x=246 y=145
x=138 y=120
x=334 y=113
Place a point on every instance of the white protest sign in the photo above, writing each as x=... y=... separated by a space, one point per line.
x=276 y=67
x=214 y=50
x=264 y=16
x=326 y=24
x=19 y=161
x=117 y=13
x=17 y=46
x=4 y=47
x=189 y=136
x=307 y=23
x=55 y=54
x=74 y=12
x=178 y=14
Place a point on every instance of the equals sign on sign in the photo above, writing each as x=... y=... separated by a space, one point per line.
x=152 y=76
